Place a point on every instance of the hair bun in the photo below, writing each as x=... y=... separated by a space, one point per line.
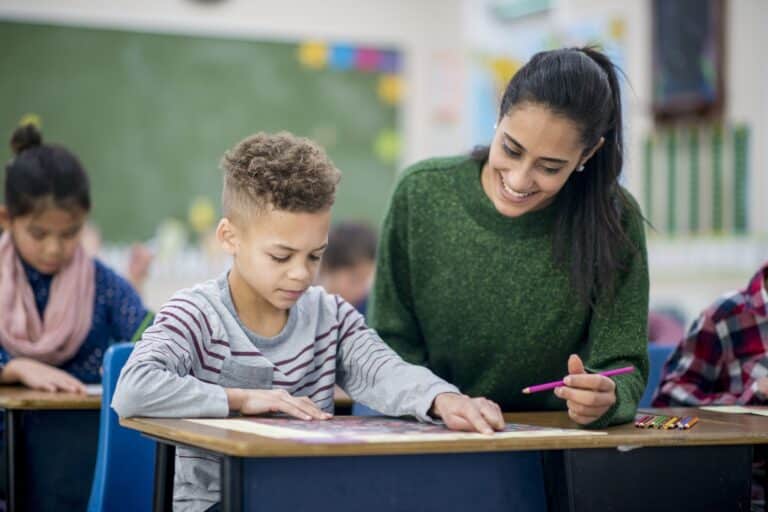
x=26 y=136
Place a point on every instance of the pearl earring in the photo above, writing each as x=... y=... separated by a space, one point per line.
x=580 y=169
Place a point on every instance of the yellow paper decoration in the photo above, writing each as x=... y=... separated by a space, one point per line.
x=202 y=214
x=390 y=89
x=313 y=54
x=617 y=29
x=503 y=69
x=387 y=146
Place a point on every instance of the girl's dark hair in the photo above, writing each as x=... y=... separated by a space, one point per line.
x=582 y=85
x=40 y=172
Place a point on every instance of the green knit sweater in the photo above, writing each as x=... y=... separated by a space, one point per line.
x=477 y=297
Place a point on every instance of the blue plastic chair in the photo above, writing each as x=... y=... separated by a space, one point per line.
x=123 y=480
x=657 y=357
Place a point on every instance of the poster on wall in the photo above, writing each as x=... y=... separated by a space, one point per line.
x=492 y=67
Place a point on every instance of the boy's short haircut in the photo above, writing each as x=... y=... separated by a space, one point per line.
x=349 y=243
x=280 y=170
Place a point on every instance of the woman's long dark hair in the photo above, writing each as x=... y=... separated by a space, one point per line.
x=590 y=238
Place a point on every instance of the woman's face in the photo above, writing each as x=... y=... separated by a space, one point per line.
x=533 y=153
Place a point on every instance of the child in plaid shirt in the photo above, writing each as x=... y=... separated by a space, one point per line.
x=724 y=357
x=724 y=360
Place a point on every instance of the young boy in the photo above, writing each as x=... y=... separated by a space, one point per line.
x=349 y=262
x=260 y=339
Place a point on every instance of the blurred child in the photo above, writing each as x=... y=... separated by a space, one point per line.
x=349 y=262
x=260 y=339
x=59 y=308
x=139 y=258
x=724 y=357
x=724 y=360
x=666 y=326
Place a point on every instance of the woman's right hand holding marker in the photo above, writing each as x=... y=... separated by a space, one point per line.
x=588 y=395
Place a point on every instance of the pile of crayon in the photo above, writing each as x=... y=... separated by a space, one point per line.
x=666 y=422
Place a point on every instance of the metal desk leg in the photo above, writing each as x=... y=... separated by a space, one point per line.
x=231 y=484
x=13 y=440
x=164 y=470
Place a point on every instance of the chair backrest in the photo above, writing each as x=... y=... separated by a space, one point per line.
x=123 y=480
x=657 y=356
x=359 y=409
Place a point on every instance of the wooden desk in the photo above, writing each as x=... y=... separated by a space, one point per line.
x=581 y=472
x=41 y=429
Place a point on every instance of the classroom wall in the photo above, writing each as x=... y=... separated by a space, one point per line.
x=436 y=37
x=425 y=31
x=747 y=93
x=406 y=24
x=687 y=272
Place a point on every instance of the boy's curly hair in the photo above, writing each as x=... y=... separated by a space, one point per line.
x=279 y=170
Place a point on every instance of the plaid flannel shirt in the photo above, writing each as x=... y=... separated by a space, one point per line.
x=724 y=353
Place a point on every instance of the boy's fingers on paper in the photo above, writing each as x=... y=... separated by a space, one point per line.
x=291 y=409
x=307 y=409
x=473 y=415
x=493 y=418
x=317 y=412
x=312 y=408
x=590 y=381
x=491 y=412
x=456 y=422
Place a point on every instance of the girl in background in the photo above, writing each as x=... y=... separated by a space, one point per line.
x=59 y=308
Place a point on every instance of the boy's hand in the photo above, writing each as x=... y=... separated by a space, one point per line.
x=460 y=412
x=263 y=401
x=40 y=376
x=588 y=396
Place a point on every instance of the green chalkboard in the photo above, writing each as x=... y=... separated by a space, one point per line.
x=151 y=114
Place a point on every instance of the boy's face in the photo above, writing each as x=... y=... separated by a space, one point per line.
x=277 y=253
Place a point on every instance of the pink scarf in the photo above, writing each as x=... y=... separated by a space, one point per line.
x=67 y=317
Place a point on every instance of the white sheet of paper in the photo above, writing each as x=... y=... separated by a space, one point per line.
x=93 y=389
x=280 y=432
x=736 y=409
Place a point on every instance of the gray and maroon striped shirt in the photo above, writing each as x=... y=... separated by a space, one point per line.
x=197 y=346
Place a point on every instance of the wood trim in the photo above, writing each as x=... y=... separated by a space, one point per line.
x=713 y=429
x=18 y=397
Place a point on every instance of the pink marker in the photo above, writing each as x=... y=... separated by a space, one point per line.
x=558 y=383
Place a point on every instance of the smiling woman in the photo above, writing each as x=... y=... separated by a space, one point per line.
x=526 y=260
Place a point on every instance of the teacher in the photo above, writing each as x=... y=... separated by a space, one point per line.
x=525 y=261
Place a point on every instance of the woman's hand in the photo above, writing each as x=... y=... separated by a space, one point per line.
x=264 y=401
x=587 y=395
x=40 y=376
x=460 y=412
